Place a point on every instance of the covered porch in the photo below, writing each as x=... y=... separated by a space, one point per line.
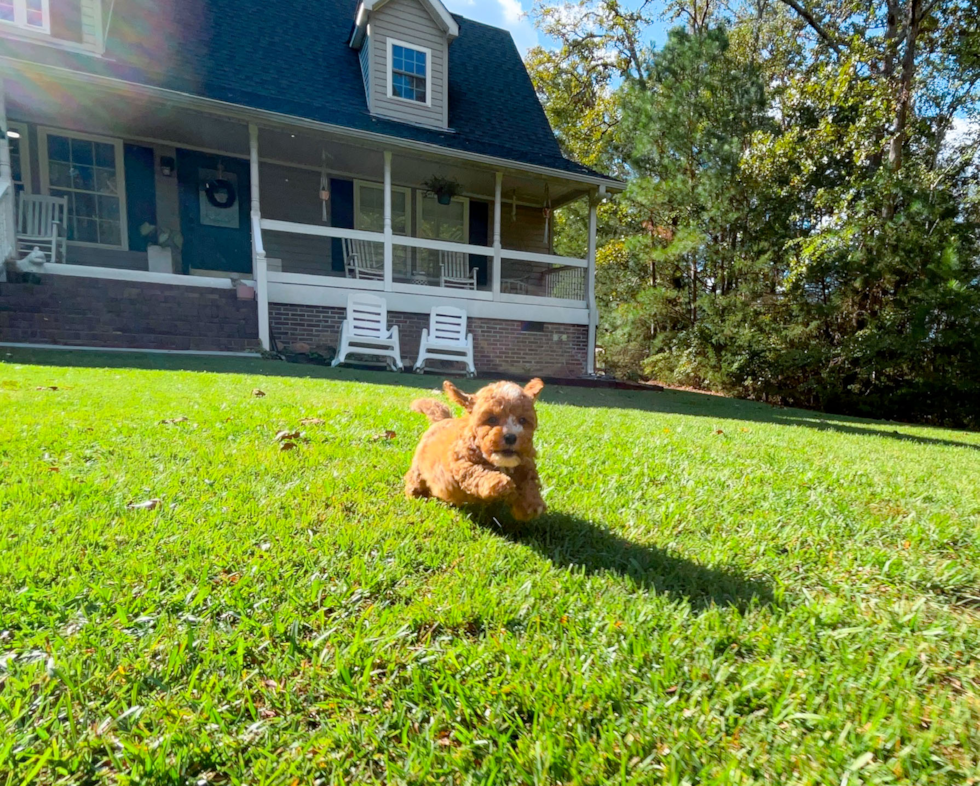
x=179 y=190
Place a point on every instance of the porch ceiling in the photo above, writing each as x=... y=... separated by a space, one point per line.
x=96 y=109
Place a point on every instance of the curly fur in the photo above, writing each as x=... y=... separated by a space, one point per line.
x=485 y=456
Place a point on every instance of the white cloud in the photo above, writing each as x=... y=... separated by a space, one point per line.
x=508 y=14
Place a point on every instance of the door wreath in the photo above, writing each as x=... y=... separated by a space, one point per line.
x=220 y=193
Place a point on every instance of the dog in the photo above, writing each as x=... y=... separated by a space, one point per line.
x=486 y=456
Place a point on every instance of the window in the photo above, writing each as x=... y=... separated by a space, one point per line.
x=369 y=216
x=28 y=14
x=88 y=172
x=20 y=162
x=408 y=72
x=442 y=222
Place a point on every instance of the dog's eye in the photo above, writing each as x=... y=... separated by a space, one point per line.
x=523 y=421
x=492 y=421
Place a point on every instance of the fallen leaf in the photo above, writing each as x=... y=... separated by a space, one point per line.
x=54 y=469
x=150 y=504
x=287 y=446
x=282 y=436
x=720 y=432
x=672 y=689
x=171 y=421
x=46 y=387
x=312 y=421
x=387 y=435
x=564 y=619
x=258 y=393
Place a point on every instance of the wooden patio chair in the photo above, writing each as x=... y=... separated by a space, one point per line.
x=364 y=259
x=455 y=271
x=366 y=332
x=41 y=224
x=446 y=339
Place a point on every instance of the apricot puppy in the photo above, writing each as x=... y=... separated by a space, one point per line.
x=485 y=456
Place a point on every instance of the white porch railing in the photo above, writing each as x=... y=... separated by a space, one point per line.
x=260 y=270
x=526 y=277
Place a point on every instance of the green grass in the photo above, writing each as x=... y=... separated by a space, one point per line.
x=722 y=593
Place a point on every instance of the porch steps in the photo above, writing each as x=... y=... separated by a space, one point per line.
x=70 y=311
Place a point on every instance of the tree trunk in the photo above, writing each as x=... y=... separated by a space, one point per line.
x=896 y=146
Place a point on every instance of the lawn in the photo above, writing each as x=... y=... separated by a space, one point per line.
x=722 y=593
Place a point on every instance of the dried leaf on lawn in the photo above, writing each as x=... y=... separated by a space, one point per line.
x=150 y=504
x=258 y=393
x=312 y=421
x=282 y=436
x=386 y=435
x=287 y=446
x=46 y=387
x=172 y=421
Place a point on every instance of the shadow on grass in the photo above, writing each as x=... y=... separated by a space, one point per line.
x=577 y=544
x=716 y=408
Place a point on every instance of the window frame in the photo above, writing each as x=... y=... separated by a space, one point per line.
x=43 y=133
x=20 y=17
x=391 y=44
x=359 y=184
x=24 y=145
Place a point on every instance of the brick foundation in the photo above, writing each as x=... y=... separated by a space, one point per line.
x=500 y=346
x=95 y=312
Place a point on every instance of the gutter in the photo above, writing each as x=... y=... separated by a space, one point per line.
x=246 y=115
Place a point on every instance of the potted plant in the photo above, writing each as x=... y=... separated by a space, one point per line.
x=162 y=244
x=443 y=189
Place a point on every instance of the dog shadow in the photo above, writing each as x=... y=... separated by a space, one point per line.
x=574 y=543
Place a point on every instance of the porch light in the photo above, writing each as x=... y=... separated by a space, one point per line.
x=11 y=134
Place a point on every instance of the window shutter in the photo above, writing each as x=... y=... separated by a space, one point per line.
x=341 y=217
x=141 y=193
x=66 y=20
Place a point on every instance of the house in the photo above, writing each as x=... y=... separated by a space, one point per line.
x=234 y=169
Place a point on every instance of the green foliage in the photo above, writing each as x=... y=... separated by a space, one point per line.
x=722 y=593
x=801 y=222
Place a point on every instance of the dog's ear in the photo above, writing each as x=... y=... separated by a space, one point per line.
x=458 y=396
x=534 y=388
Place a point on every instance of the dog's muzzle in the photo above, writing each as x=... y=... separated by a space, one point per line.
x=505 y=459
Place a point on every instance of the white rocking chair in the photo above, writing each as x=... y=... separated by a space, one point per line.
x=41 y=225
x=565 y=283
x=366 y=332
x=446 y=339
x=456 y=273
x=364 y=259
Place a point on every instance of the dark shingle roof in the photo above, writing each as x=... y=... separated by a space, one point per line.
x=297 y=61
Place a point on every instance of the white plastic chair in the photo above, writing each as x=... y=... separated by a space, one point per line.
x=366 y=332
x=364 y=259
x=446 y=339
x=456 y=273
x=41 y=224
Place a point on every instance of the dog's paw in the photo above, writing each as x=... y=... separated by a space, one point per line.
x=496 y=486
x=527 y=511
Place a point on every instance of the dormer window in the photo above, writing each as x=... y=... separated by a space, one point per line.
x=28 y=14
x=408 y=72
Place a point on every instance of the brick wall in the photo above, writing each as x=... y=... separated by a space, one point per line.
x=96 y=312
x=499 y=346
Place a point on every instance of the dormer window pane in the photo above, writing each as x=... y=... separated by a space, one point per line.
x=409 y=73
x=28 y=14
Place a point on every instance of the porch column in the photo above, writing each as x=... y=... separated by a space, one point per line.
x=7 y=207
x=497 y=255
x=590 y=281
x=389 y=248
x=260 y=268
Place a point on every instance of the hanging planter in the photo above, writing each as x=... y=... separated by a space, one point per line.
x=442 y=189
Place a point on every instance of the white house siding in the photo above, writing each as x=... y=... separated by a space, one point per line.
x=366 y=67
x=410 y=22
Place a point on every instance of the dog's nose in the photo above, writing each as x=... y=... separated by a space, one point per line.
x=511 y=439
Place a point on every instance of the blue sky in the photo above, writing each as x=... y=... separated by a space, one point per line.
x=509 y=14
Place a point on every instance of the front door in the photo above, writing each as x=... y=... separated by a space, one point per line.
x=214 y=212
